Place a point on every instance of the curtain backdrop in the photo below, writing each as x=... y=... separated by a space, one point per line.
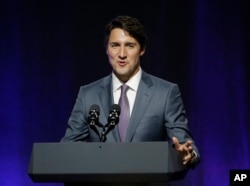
x=48 y=49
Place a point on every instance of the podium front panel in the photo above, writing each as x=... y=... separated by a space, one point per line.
x=105 y=162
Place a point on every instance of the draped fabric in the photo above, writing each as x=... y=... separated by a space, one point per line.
x=48 y=49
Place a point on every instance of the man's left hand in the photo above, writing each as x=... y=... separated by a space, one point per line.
x=185 y=150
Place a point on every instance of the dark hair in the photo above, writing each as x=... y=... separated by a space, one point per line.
x=130 y=25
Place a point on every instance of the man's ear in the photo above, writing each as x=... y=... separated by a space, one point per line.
x=142 y=52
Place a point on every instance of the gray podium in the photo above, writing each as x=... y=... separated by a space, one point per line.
x=99 y=163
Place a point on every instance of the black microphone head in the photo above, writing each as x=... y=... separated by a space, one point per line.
x=113 y=118
x=116 y=108
x=95 y=108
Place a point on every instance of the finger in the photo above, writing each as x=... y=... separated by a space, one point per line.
x=185 y=149
x=189 y=143
x=176 y=142
x=185 y=162
x=187 y=158
x=190 y=149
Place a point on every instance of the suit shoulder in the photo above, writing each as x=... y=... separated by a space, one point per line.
x=95 y=84
x=159 y=81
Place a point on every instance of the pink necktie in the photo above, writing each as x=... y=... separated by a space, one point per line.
x=125 y=113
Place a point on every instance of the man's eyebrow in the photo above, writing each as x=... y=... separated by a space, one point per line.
x=126 y=43
x=114 y=42
x=130 y=43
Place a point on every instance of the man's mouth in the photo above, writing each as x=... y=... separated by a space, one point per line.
x=122 y=63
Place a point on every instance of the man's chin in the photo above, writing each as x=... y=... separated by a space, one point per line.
x=122 y=75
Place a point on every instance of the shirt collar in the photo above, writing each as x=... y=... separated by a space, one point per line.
x=133 y=83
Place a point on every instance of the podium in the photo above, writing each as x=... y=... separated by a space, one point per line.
x=96 y=163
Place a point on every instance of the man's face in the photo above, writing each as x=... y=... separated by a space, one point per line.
x=124 y=54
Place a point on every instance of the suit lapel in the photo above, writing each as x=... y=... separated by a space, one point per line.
x=106 y=97
x=143 y=96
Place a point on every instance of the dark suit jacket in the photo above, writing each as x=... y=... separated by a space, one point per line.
x=158 y=113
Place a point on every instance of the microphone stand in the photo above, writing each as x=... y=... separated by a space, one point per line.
x=105 y=130
x=102 y=136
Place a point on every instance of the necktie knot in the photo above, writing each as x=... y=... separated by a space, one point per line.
x=124 y=89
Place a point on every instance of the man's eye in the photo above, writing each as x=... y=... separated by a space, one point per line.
x=130 y=46
x=114 y=45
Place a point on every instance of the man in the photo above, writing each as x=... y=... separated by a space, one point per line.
x=154 y=105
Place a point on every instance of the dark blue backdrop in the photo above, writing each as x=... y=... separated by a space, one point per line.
x=48 y=49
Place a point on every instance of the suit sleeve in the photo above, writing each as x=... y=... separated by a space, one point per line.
x=176 y=120
x=77 y=128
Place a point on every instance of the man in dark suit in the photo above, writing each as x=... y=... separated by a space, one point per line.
x=155 y=105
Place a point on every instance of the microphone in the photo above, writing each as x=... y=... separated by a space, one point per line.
x=114 y=113
x=93 y=118
x=113 y=119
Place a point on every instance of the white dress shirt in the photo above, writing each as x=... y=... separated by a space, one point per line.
x=133 y=84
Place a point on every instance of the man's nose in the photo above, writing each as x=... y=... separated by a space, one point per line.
x=122 y=53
